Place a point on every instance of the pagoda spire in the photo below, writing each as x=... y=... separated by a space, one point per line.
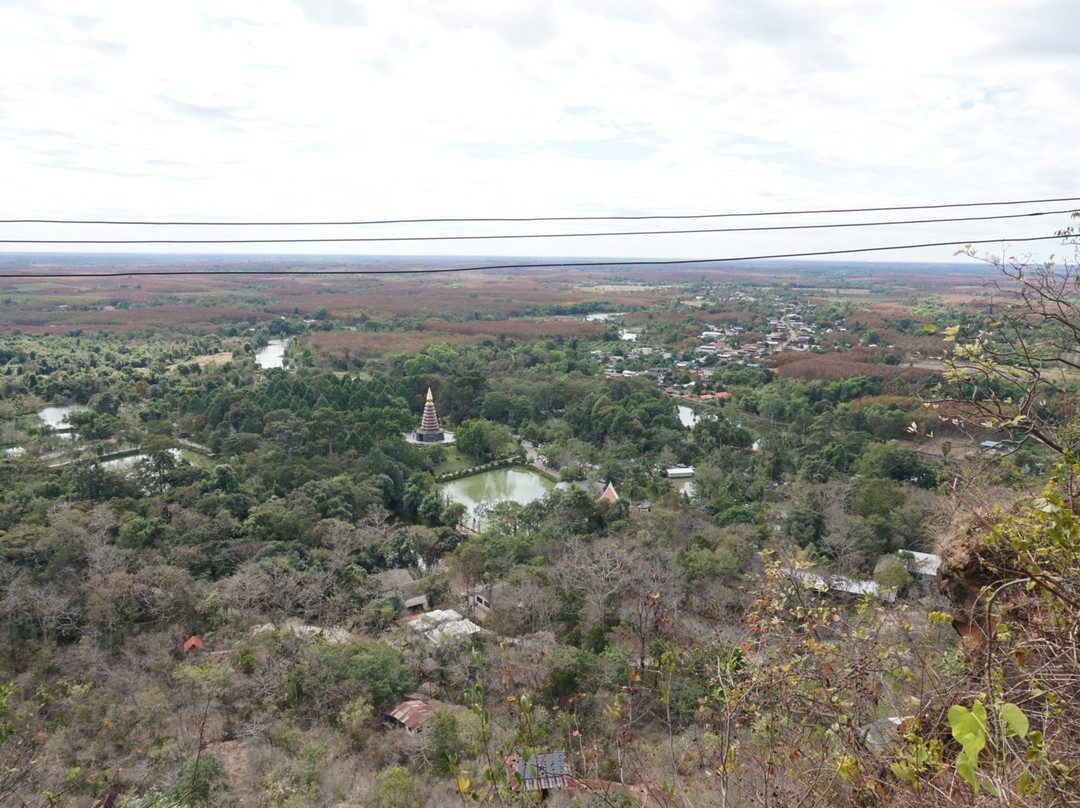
x=430 y=431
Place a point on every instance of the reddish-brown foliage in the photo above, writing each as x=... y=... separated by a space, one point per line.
x=374 y=345
x=521 y=329
x=904 y=402
x=833 y=366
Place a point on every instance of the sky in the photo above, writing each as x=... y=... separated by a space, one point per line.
x=332 y=110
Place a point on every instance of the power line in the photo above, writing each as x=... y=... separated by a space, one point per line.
x=537 y=265
x=446 y=220
x=486 y=237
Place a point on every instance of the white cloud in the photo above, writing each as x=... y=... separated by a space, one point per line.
x=288 y=109
x=333 y=12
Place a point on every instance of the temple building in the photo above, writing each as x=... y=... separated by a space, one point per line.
x=430 y=431
x=609 y=496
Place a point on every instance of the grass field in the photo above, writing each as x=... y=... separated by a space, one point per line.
x=456 y=460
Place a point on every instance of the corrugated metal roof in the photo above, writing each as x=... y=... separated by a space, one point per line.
x=549 y=770
x=412 y=713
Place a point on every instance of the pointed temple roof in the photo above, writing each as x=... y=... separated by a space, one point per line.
x=429 y=431
x=609 y=495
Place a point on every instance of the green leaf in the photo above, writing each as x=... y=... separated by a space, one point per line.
x=921 y=754
x=1024 y=784
x=969 y=728
x=903 y=771
x=1014 y=719
x=965 y=767
x=979 y=711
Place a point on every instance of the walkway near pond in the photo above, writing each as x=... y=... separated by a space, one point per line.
x=502 y=462
x=198 y=447
x=533 y=456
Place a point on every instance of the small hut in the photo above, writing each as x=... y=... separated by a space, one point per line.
x=538 y=772
x=412 y=714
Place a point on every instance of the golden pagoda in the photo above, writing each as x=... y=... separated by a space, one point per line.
x=430 y=431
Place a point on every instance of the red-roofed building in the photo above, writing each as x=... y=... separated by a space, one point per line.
x=609 y=495
x=193 y=644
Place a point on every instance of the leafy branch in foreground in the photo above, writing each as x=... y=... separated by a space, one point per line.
x=1018 y=373
x=1019 y=740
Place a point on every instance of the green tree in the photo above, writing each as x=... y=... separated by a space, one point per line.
x=396 y=788
x=897 y=463
x=160 y=458
x=357 y=722
x=327 y=424
x=893 y=574
x=804 y=525
x=877 y=496
x=482 y=439
x=203 y=780
x=445 y=743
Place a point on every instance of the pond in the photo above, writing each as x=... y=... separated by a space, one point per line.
x=57 y=417
x=686 y=488
x=130 y=461
x=479 y=492
x=273 y=355
x=601 y=316
x=687 y=416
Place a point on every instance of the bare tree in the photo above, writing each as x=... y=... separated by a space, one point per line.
x=654 y=590
x=595 y=569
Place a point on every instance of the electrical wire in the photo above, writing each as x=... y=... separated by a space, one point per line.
x=531 y=265
x=487 y=237
x=540 y=218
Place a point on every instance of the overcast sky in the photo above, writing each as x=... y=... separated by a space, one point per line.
x=340 y=109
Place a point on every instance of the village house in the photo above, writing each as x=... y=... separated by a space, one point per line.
x=482 y=598
x=444 y=625
x=400 y=582
x=411 y=714
x=680 y=472
x=840 y=585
